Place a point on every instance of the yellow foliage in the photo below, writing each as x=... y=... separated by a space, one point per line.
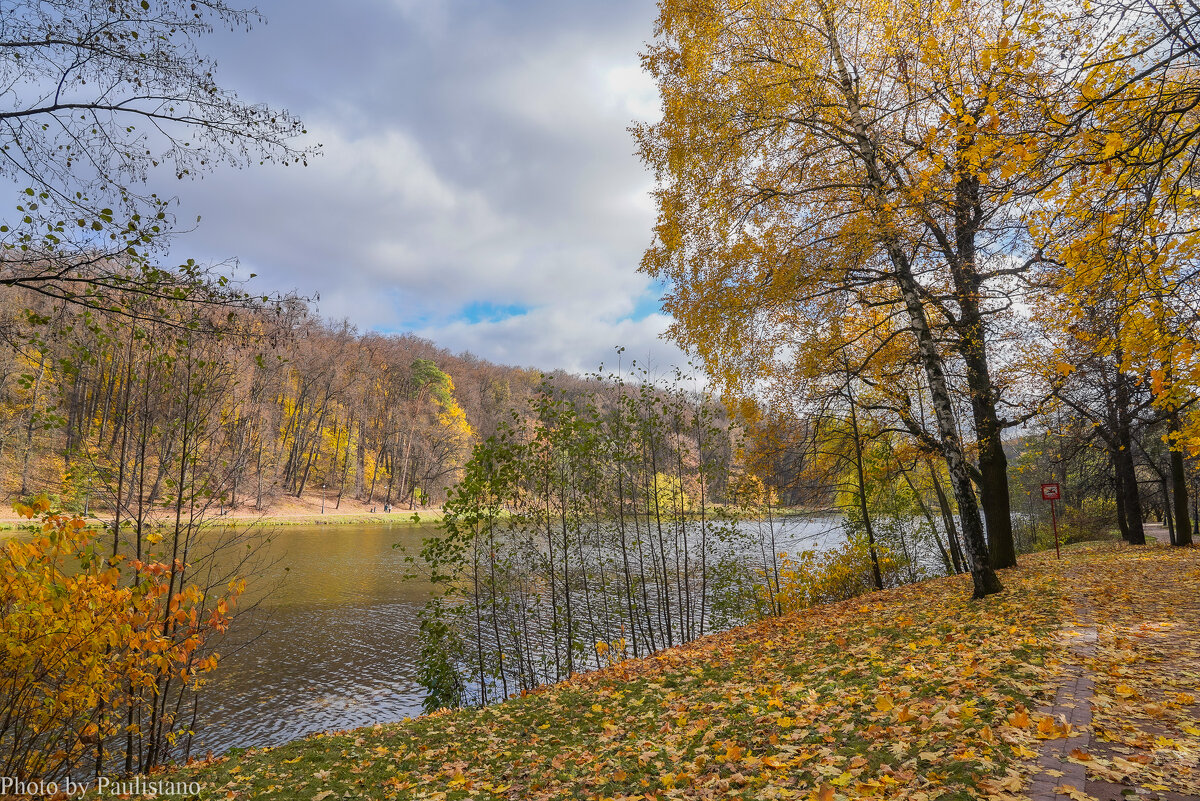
x=80 y=641
x=669 y=495
x=611 y=652
x=748 y=491
x=831 y=575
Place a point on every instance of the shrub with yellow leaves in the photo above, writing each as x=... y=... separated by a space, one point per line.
x=612 y=652
x=84 y=640
x=833 y=574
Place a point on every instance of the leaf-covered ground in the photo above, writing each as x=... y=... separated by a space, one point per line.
x=1146 y=716
x=912 y=693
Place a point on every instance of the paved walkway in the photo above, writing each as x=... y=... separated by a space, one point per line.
x=1130 y=683
x=1057 y=775
x=1157 y=531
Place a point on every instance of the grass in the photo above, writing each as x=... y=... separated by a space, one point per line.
x=915 y=692
x=910 y=691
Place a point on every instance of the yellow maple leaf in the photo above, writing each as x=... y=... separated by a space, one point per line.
x=843 y=780
x=1050 y=729
x=1073 y=792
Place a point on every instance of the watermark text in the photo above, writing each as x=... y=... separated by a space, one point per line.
x=138 y=785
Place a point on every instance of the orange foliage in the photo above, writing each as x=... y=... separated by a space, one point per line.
x=83 y=637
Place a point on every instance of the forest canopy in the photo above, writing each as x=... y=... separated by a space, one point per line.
x=936 y=213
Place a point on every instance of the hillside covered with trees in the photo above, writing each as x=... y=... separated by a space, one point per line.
x=270 y=403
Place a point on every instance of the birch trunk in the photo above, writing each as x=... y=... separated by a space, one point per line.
x=984 y=577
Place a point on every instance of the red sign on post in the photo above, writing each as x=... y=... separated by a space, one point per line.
x=1051 y=493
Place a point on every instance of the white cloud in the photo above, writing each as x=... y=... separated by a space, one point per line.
x=554 y=337
x=475 y=153
x=631 y=89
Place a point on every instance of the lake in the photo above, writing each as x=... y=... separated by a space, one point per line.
x=333 y=644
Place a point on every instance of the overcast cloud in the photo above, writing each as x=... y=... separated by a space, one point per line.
x=478 y=186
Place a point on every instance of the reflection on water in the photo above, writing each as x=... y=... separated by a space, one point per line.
x=332 y=640
x=332 y=644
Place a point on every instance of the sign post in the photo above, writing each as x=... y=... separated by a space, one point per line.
x=1050 y=492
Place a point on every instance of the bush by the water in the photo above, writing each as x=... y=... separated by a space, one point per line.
x=835 y=574
x=88 y=642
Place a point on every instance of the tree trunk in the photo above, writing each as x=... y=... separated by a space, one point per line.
x=972 y=346
x=360 y=462
x=1126 y=474
x=1119 y=493
x=876 y=575
x=983 y=576
x=994 y=497
x=956 y=553
x=29 y=427
x=1183 y=525
x=1167 y=515
x=925 y=511
x=345 y=464
x=1127 y=482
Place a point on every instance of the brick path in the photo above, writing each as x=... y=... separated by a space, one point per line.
x=1056 y=776
x=1072 y=704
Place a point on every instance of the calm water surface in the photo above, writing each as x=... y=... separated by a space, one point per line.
x=332 y=642
x=331 y=645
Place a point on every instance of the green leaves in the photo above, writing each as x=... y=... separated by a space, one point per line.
x=591 y=520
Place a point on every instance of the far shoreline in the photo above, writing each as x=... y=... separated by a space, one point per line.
x=307 y=512
x=254 y=518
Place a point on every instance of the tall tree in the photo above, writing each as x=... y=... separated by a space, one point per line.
x=795 y=164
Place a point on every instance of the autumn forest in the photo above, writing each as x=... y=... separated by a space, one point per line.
x=930 y=476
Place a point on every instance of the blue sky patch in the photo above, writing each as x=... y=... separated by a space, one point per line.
x=481 y=312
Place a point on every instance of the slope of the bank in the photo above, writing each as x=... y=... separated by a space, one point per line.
x=916 y=691
x=307 y=511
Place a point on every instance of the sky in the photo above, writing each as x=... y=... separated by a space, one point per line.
x=478 y=184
